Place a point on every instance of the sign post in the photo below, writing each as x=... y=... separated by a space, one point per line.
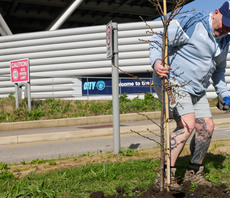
x=19 y=72
x=112 y=53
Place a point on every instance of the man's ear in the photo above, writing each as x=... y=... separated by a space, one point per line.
x=216 y=11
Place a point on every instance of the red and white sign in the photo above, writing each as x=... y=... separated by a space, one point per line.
x=109 y=40
x=19 y=70
x=108 y=35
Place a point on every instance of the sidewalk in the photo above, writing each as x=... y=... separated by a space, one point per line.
x=86 y=127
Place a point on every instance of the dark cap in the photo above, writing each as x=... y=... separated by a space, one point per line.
x=225 y=11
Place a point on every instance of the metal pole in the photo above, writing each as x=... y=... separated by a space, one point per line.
x=29 y=96
x=4 y=26
x=167 y=102
x=2 y=32
x=115 y=94
x=66 y=14
x=16 y=95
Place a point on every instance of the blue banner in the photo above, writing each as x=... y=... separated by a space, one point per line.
x=96 y=86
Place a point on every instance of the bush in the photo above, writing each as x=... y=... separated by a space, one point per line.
x=57 y=108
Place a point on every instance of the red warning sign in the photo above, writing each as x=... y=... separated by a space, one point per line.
x=109 y=39
x=19 y=70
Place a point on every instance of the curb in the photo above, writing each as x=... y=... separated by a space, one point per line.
x=86 y=133
x=76 y=121
x=84 y=120
x=82 y=134
x=89 y=133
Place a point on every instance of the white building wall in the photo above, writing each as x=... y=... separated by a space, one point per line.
x=58 y=59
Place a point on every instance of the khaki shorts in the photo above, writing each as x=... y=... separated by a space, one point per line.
x=187 y=103
x=193 y=104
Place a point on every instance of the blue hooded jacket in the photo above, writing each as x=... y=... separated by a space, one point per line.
x=195 y=55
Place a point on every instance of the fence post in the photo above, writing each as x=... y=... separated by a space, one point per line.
x=17 y=95
x=28 y=95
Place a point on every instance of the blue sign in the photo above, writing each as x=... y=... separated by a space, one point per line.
x=100 y=85
x=92 y=86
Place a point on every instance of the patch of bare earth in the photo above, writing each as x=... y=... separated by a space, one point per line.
x=200 y=192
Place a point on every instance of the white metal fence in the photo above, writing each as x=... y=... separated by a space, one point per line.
x=60 y=58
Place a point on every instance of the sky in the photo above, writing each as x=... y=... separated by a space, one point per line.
x=198 y=5
x=209 y=5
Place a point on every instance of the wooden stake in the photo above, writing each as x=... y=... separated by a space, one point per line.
x=165 y=63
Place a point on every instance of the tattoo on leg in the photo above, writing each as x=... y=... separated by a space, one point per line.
x=173 y=142
x=200 y=143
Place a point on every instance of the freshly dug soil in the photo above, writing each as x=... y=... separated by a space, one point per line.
x=221 y=191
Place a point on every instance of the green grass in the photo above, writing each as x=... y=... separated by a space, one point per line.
x=217 y=168
x=106 y=176
x=216 y=164
x=77 y=182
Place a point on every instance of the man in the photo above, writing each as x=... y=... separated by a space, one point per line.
x=198 y=46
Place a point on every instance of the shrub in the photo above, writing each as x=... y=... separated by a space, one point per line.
x=57 y=108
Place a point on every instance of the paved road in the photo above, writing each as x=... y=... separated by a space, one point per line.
x=95 y=138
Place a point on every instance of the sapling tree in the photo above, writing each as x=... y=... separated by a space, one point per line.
x=166 y=93
x=166 y=87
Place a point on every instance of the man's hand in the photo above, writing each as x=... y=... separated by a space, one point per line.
x=223 y=103
x=160 y=70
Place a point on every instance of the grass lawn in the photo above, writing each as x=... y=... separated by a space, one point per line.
x=81 y=175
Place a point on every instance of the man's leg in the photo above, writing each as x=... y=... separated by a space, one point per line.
x=185 y=119
x=180 y=136
x=201 y=139
x=199 y=146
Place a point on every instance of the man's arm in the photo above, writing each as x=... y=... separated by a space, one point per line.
x=176 y=37
x=221 y=87
x=218 y=79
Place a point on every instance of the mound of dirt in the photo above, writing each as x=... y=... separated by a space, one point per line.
x=200 y=191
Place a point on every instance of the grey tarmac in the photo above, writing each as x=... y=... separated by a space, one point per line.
x=74 y=138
